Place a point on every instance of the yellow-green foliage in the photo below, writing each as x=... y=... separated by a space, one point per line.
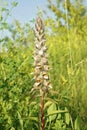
x=66 y=36
x=67 y=46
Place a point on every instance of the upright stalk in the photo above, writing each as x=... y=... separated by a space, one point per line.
x=41 y=66
x=42 y=112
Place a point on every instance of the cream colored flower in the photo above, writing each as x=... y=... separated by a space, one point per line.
x=41 y=66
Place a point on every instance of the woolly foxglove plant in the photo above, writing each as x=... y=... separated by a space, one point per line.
x=41 y=67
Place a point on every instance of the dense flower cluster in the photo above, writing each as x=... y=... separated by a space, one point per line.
x=41 y=66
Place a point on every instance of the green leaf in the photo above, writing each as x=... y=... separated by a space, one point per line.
x=33 y=119
x=47 y=104
x=14 y=4
x=20 y=120
x=67 y=117
x=50 y=111
x=5 y=26
x=77 y=123
x=57 y=112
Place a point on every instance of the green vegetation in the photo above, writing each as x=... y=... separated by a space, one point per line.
x=66 y=39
